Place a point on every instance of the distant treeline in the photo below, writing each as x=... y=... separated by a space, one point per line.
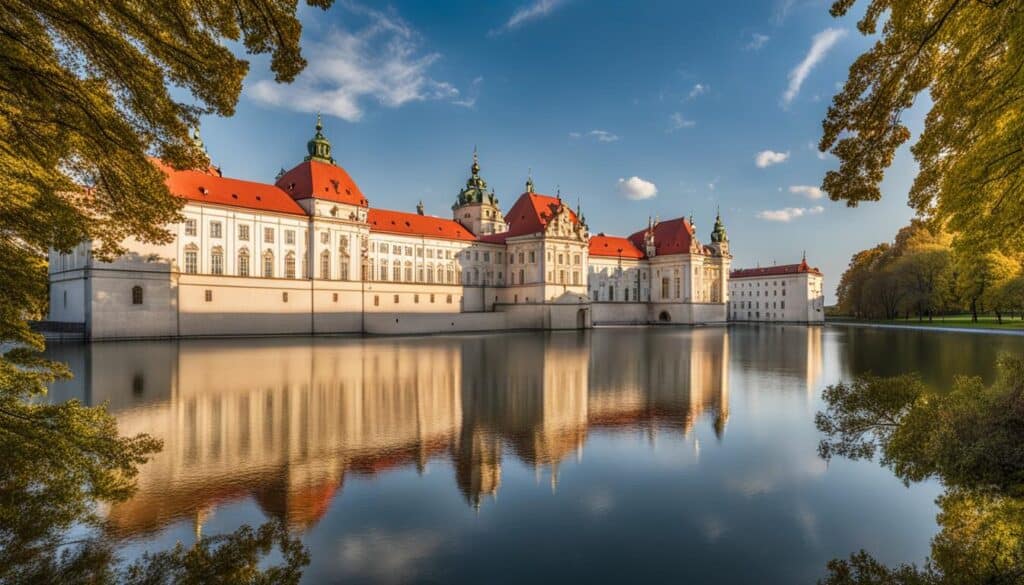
x=923 y=274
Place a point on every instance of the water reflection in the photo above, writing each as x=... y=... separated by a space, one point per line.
x=285 y=422
x=614 y=454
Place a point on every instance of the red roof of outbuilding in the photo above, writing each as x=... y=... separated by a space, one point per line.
x=785 y=269
x=614 y=247
x=671 y=236
x=412 y=224
x=322 y=180
x=209 y=187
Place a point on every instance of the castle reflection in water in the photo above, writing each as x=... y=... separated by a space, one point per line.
x=285 y=421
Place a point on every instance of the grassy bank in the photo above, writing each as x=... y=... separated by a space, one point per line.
x=955 y=321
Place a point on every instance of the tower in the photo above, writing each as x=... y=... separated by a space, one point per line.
x=719 y=238
x=476 y=208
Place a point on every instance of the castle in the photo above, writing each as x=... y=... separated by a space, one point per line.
x=309 y=255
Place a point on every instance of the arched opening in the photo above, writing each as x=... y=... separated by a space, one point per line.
x=581 y=319
x=664 y=317
x=136 y=295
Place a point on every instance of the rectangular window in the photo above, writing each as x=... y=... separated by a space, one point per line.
x=416 y=299
x=419 y=252
x=243 y=265
x=431 y=298
x=289 y=236
x=533 y=257
x=243 y=233
x=217 y=263
x=215 y=229
x=190 y=227
x=383 y=248
x=209 y=295
x=487 y=256
x=449 y=299
x=284 y=297
x=335 y=297
x=376 y=300
x=191 y=262
x=325 y=237
x=408 y=250
x=396 y=299
x=268 y=235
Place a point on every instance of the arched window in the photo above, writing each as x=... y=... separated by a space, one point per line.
x=289 y=265
x=136 y=295
x=325 y=265
x=408 y=271
x=343 y=266
x=217 y=260
x=191 y=259
x=396 y=272
x=430 y=274
x=383 y=269
x=243 y=262
x=440 y=274
x=268 y=264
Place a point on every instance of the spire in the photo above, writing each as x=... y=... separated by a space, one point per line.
x=475 y=190
x=318 y=147
x=475 y=169
x=718 y=234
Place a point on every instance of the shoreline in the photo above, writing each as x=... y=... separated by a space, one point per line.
x=940 y=328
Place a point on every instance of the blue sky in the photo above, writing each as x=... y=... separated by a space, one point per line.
x=639 y=108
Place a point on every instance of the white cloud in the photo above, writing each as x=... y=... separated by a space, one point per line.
x=533 y=11
x=808 y=191
x=469 y=101
x=677 y=122
x=767 y=158
x=699 y=90
x=598 y=135
x=381 y=62
x=757 y=41
x=388 y=557
x=788 y=213
x=820 y=46
x=713 y=184
x=636 y=188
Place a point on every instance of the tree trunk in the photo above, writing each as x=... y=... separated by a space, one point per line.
x=974 y=310
x=999 y=317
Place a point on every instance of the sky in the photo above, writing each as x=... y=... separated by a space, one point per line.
x=637 y=109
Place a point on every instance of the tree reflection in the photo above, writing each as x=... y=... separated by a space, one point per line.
x=969 y=438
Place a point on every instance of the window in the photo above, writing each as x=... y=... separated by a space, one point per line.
x=268 y=235
x=243 y=233
x=325 y=265
x=396 y=272
x=289 y=236
x=408 y=250
x=416 y=299
x=325 y=237
x=136 y=296
x=419 y=252
x=383 y=270
x=664 y=288
x=289 y=265
x=243 y=263
x=376 y=300
x=208 y=294
x=522 y=279
x=192 y=260
x=431 y=297
x=268 y=264
x=344 y=268
x=533 y=256
x=190 y=227
x=217 y=261
x=396 y=299
x=487 y=256
x=449 y=299
x=576 y=259
x=215 y=229
x=284 y=297
x=408 y=272
x=335 y=297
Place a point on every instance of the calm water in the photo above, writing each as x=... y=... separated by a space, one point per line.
x=640 y=454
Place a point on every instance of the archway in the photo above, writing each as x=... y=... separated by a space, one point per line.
x=664 y=317
x=581 y=319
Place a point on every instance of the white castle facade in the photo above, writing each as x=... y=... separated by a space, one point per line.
x=308 y=255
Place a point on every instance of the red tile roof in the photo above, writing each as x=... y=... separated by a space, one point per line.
x=614 y=247
x=412 y=224
x=209 y=187
x=775 y=270
x=321 y=180
x=530 y=214
x=671 y=236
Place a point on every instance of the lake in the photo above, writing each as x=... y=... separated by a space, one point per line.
x=620 y=454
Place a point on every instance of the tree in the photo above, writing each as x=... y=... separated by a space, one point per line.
x=967 y=55
x=85 y=104
x=969 y=438
x=980 y=275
